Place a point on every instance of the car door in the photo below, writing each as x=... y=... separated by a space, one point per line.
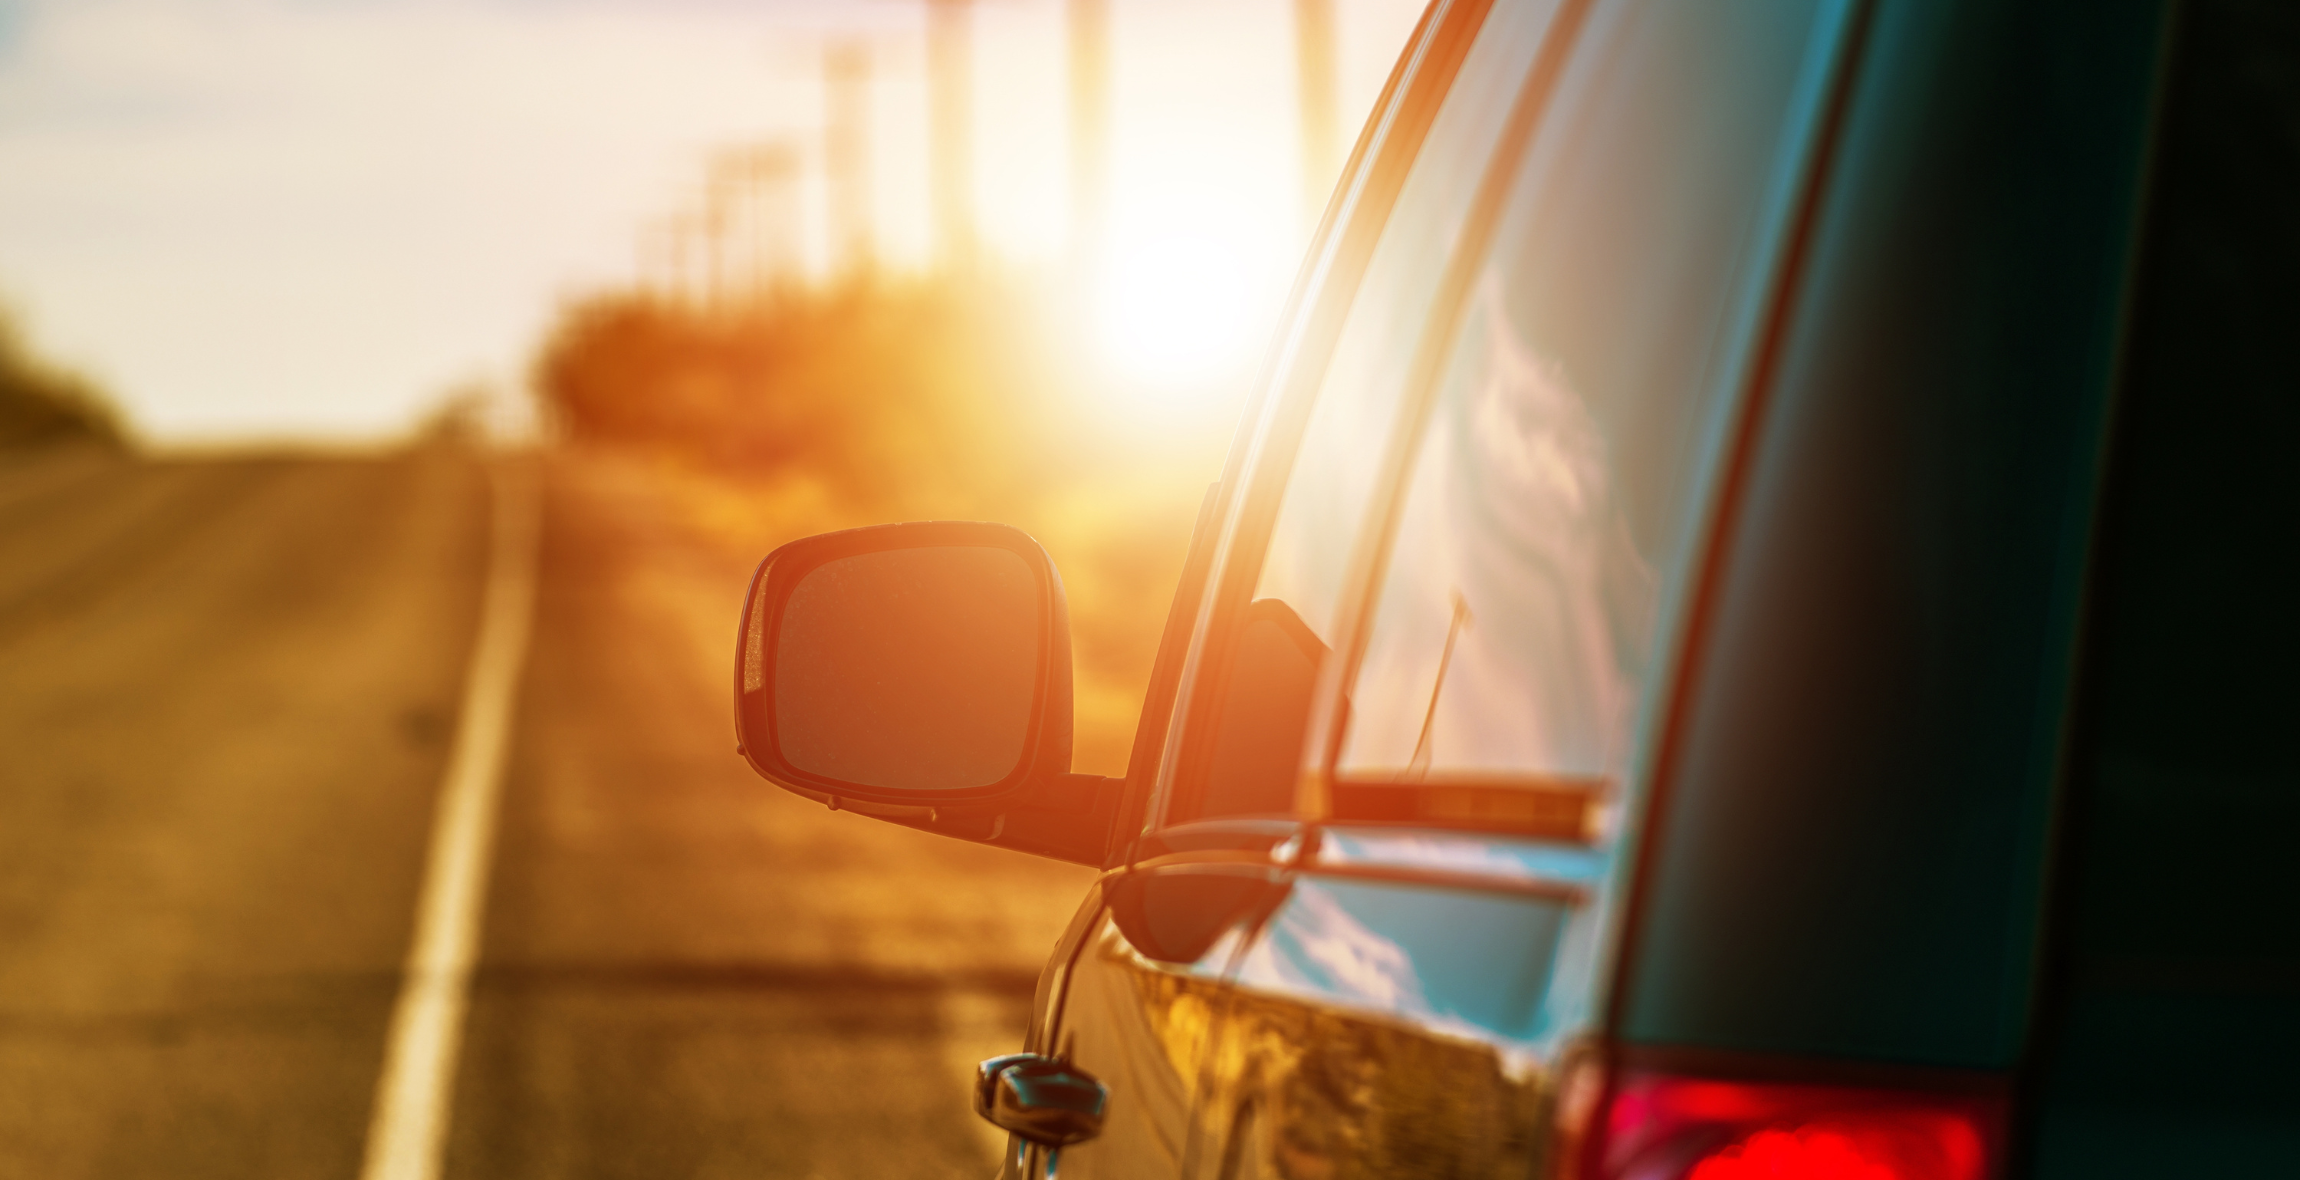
x=1422 y=694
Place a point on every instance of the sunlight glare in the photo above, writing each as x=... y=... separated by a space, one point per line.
x=1176 y=308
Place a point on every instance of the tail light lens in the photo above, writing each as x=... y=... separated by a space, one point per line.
x=1656 y=1126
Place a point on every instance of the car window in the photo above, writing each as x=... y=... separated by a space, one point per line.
x=1552 y=499
x=1284 y=633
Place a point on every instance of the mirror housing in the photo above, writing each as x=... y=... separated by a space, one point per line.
x=1044 y=1100
x=920 y=673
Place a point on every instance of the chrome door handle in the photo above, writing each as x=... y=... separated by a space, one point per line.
x=1042 y=1099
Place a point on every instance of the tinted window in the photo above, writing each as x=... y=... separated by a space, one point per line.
x=2180 y=1017
x=1554 y=494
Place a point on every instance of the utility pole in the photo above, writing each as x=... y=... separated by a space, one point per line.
x=659 y=262
x=712 y=222
x=950 y=86
x=750 y=220
x=1314 y=72
x=690 y=245
x=846 y=152
x=761 y=186
x=1089 y=22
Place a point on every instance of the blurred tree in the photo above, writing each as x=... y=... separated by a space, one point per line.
x=906 y=397
x=43 y=405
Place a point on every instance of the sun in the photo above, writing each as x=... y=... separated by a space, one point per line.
x=1179 y=313
x=1173 y=306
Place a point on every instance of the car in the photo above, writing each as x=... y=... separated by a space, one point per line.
x=1749 y=632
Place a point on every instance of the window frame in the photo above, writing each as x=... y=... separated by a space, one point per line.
x=1271 y=426
x=1262 y=460
x=1262 y=457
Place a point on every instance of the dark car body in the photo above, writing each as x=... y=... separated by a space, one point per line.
x=1750 y=632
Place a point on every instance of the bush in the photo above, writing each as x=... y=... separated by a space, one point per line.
x=41 y=405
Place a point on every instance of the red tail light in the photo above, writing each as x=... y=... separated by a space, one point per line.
x=1657 y=1126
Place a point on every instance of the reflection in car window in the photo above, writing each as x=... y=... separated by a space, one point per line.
x=1334 y=472
x=1551 y=500
x=1288 y=630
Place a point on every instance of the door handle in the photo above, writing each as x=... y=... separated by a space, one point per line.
x=1042 y=1099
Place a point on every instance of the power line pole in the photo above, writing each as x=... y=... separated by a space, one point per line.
x=659 y=261
x=1315 y=71
x=846 y=152
x=692 y=249
x=1089 y=22
x=950 y=86
x=763 y=184
x=713 y=220
x=750 y=216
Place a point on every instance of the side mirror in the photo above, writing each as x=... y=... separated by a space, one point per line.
x=919 y=673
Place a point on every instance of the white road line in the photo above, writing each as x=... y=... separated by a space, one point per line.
x=407 y=1133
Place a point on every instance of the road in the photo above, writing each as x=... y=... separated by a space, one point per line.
x=227 y=688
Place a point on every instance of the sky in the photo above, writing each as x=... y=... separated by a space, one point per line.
x=311 y=219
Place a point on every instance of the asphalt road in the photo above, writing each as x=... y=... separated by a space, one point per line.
x=227 y=688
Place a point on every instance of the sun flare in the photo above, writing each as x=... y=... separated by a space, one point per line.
x=1174 y=308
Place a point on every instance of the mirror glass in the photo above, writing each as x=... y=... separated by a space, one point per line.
x=913 y=669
